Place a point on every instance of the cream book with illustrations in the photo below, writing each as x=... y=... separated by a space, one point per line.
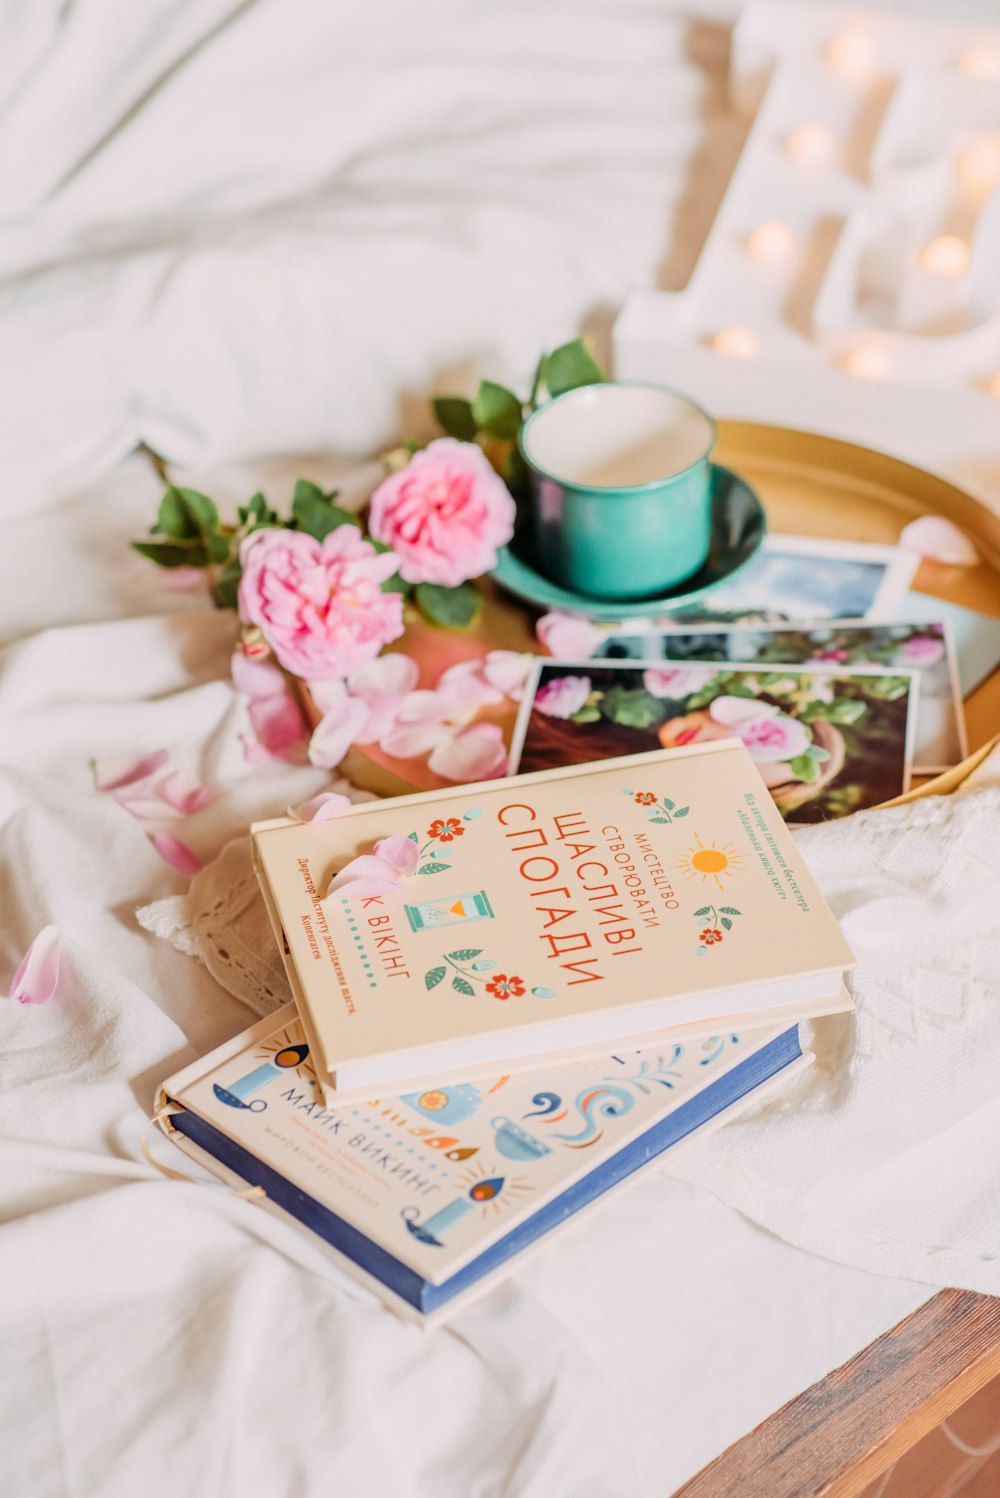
x=550 y=915
x=427 y=1197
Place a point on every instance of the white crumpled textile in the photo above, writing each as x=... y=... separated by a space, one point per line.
x=882 y=1155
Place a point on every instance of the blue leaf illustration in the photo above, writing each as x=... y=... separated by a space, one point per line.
x=484 y=966
x=544 y=993
x=472 y=813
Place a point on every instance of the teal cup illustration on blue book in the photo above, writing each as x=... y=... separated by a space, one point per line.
x=621 y=488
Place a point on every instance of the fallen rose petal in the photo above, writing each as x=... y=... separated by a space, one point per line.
x=255 y=679
x=127 y=769
x=464 y=687
x=393 y=674
x=368 y=874
x=411 y=740
x=475 y=753
x=146 y=808
x=321 y=808
x=37 y=976
x=328 y=695
x=184 y=792
x=279 y=726
x=508 y=670
x=336 y=732
x=567 y=636
x=400 y=852
x=176 y=853
x=939 y=539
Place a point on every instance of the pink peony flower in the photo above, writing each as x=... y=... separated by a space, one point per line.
x=923 y=650
x=567 y=636
x=319 y=604
x=675 y=681
x=563 y=696
x=444 y=515
x=769 y=734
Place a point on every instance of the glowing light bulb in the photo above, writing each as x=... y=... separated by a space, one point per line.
x=869 y=361
x=947 y=255
x=736 y=342
x=980 y=62
x=811 y=144
x=979 y=164
x=771 y=243
x=851 y=53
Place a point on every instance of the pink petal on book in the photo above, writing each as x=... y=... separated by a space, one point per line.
x=568 y=637
x=176 y=853
x=336 y=732
x=37 y=977
x=366 y=875
x=939 y=539
x=476 y=753
x=321 y=808
x=185 y=793
x=119 y=770
x=399 y=852
x=257 y=678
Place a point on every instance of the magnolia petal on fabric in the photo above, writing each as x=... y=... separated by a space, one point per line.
x=567 y=636
x=508 y=670
x=176 y=853
x=475 y=753
x=366 y=875
x=336 y=732
x=256 y=679
x=184 y=793
x=117 y=771
x=37 y=976
x=939 y=539
x=401 y=852
x=321 y=808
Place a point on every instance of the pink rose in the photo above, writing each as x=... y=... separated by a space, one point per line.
x=319 y=604
x=769 y=734
x=675 y=681
x=444 y=514
x=923 y=650
x=567 y=636
x=563 y=696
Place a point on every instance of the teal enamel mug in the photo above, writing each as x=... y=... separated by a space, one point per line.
x=621 y=479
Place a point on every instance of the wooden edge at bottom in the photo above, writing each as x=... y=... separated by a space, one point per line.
x=844 y=1431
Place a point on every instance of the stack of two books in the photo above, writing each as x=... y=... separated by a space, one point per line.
x=587 y=966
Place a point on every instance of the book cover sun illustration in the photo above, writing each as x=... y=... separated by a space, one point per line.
x=549 y=914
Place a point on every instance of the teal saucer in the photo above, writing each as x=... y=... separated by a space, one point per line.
x=738 y=530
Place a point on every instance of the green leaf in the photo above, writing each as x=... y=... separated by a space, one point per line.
x=632 y=707
x=729 y=910
x=570 y=366
x=413 y=836
x=681 y=811
x=432 y=868
x=496 y=410
x=227 y=587
x=433 y=978
x=256 y=513
x=455 y=416
x=805 y=768
x=705 y=910
x=726 y=923
x=172 y=554
x=448 y=608
x=315 y=513
x=466 y=954
x=396 y=584
x=173 y=518
x=819 y=755
x=219 y=547
x=588 y=713
x=668 y=803
x=201 y=510
x=664 y=820
x=462 y=985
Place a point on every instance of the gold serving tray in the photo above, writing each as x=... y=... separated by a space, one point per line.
x=809 y=485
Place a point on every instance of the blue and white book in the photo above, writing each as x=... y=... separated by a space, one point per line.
x=430 y=1196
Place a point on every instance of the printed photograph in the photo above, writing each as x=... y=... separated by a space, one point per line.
x=939 y=733
x=802 y=577
x=826 y=742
